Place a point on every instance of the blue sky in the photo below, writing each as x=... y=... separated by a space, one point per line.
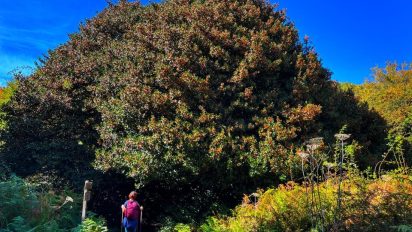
x=350 y=36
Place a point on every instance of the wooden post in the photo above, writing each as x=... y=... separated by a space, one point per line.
x=86 y=197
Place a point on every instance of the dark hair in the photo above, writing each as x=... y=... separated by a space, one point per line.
x=133 y=195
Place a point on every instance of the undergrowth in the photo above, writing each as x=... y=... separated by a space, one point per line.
x=28 y=207
x=383 y=204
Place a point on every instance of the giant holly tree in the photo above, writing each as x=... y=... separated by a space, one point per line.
x=198 y=101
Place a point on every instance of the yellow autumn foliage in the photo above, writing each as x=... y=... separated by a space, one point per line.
x=367 y=205
x=390 y=92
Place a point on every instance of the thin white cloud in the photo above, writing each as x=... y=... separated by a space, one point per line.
x=9 y=64
x=40 y=38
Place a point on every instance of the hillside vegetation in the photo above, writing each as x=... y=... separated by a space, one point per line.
x=389 y=92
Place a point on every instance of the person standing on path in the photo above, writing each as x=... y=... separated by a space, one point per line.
x=131 y=213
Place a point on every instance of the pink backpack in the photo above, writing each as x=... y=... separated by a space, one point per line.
x=132 y=210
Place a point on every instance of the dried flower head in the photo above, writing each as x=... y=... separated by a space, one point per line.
x=303 y=155
x=317 y=141
x=312 y=147
x=255 y=195
x=342 y=137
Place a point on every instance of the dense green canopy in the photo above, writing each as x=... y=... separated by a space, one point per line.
x=198 y=101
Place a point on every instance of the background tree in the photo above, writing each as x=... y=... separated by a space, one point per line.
x=390 y=94
x=5 y=96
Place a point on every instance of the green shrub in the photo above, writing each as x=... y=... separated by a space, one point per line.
x=25 y=207
x=403 y=228
x=182 y=228
x=93 y=224
x=4 y=170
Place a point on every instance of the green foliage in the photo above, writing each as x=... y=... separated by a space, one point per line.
x=7 y=92
x=26 y=207
x=403 y=228
x=93 y=224
x=182 y=228
x=367 y=127
x=389 y=92
x=400 y=137
x=4 y=171
x=399 y=143
x=5 y=95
